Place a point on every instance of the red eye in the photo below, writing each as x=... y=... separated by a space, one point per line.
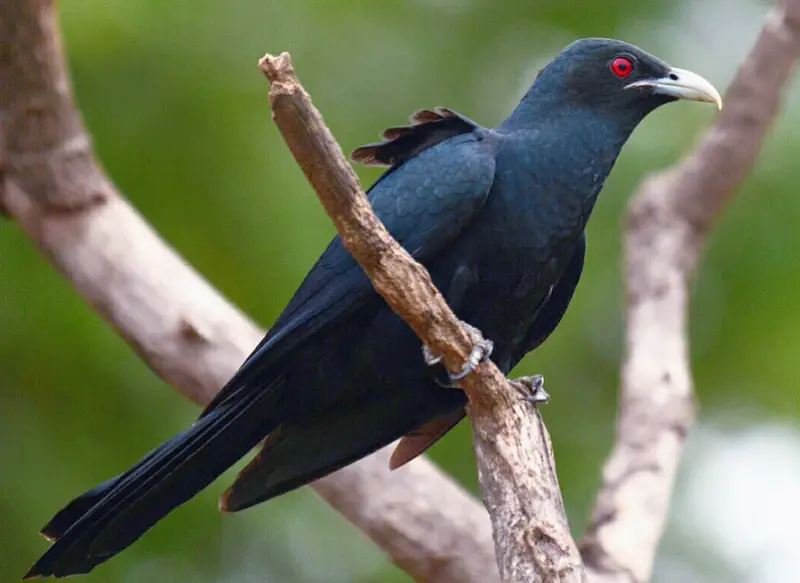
x=622 y=67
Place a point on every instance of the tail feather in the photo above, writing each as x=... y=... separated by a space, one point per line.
x=73 y=511
x=188 y=470
x=104 y=521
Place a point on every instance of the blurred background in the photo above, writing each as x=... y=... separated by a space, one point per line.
x=178 y=111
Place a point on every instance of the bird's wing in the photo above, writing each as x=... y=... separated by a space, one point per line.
x=425 y=202
x=421 y=439
x=429 y=128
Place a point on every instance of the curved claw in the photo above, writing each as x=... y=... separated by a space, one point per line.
x=480 y=353
x=430 y=358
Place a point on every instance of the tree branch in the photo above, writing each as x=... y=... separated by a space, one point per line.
x=669 y=222
x=51 y=184
x=515 y=462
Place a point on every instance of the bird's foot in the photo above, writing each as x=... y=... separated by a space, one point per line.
x=481 y=351
x=532 y=389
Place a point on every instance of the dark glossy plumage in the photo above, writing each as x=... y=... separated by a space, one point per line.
x=497 y=217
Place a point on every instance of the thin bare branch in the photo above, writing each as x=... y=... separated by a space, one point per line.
x=515 y=462
x=669 y=222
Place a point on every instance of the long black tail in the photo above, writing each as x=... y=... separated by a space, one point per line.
x=107 y=519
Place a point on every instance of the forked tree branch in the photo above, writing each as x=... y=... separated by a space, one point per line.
x=669 y=222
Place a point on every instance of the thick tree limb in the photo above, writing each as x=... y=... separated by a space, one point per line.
x=51 y=184
x=515 y=462
x=669 y=222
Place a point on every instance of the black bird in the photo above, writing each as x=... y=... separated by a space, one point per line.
x=497 y=217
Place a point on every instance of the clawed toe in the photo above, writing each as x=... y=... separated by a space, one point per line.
x=532 y=389
x=430 y=358
x=481 y=351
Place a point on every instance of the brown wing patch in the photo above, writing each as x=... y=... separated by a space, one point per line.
x=416 y=443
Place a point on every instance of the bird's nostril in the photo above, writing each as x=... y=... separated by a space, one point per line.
x=673 y=76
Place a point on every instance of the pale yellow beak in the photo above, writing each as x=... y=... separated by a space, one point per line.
x=682 y=84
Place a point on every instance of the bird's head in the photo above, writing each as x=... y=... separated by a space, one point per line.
x=612 y=76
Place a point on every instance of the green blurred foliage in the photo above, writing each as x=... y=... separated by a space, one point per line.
x=180 y=120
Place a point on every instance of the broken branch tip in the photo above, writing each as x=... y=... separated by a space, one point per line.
x=276 y=68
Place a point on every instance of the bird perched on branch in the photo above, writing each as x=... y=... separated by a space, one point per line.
x=497 y=216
